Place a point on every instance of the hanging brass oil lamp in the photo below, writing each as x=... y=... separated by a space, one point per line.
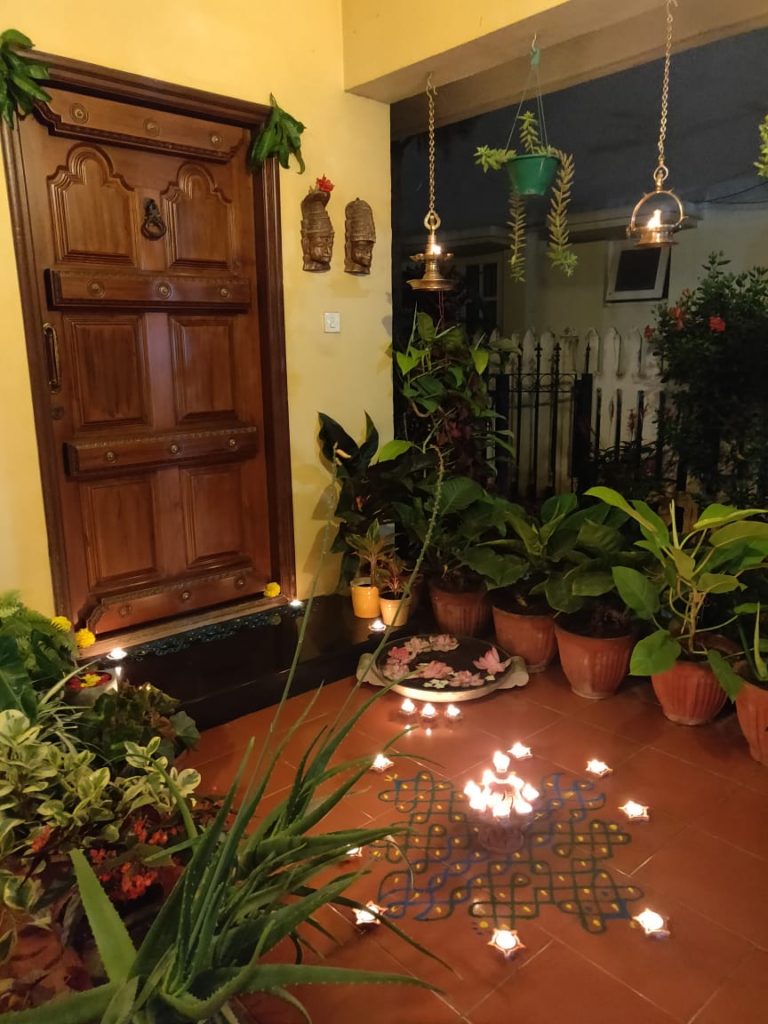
x=659 y=214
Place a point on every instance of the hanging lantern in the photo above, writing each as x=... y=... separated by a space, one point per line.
x=432 y=280
x=659 y=214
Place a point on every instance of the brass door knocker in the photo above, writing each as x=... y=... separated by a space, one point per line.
x=154 y=226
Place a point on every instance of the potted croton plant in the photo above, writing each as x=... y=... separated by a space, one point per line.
x=681 y=597
x=395 y=606
x=373 y=551
x=533 y=172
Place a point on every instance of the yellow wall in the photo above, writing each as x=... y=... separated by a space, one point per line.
x=246 y=49
x=382 y=37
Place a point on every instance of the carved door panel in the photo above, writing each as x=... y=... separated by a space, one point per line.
x=144 y=247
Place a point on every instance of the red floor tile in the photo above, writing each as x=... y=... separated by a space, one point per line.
x=714 y=878
x=627 y=716
x=743 y=998
x=559 y=985
x=572 y=743
x=740 y=818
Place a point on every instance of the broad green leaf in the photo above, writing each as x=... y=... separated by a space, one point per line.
x=480 y=359
x=12 y=37
x=718 y=583
x=684 y=564
x=719 y=515
x=558 y=505
x=601 y=537
x=636 y=591
x=458 y=493
x=654 y=654
x=392 y=450
x=658 y=526
x=613 y=498
x=497 y=570
x=526 y=533
x=425 y=326
x=113 y=942
x=730 y=680
x=592 y=583
x=739 y=531
x=560 y=596
x=406 y=362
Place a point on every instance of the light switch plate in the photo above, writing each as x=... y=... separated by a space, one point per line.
x=332 y=323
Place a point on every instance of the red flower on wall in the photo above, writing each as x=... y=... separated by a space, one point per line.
x=324 y=184
x=716 y=324
x=648 y=332
x=678 y=316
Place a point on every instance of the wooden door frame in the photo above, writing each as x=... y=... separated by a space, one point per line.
x=93 y=80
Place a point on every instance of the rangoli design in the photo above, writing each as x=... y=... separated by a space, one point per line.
x=562 y=862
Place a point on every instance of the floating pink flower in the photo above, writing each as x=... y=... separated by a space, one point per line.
x=401 y=654
x=416 y=645
x=434 y=670
x=466 y=679
x=395 y=670
x=491 y=663
x=443 y=642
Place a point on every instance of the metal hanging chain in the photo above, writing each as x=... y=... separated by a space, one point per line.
x=661 y=173
x=431 y=221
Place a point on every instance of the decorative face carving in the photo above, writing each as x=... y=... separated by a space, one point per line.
x=360 y=236
x=316 y=232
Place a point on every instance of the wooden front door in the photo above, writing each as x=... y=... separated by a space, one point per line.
x=143 y=227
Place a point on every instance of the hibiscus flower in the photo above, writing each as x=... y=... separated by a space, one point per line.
x=491 y=663
x=716 y=324
x=443 y=642
x=434 y=670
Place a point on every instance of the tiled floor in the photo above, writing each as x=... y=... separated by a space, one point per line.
x=702 y=860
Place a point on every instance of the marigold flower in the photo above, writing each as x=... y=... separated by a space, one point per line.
x=716 y=324
x=90 y=679
x=84 y=638
x=62 y=623
x=272 y=589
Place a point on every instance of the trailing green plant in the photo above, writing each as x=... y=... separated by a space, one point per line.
x=559 y=249
x=443 y=376
x=561 y=558
x=280 y=137
x=687 y=591
x=713 y=353
x=762 y=160
x=19 y=77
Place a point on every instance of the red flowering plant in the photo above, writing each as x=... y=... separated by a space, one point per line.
x=713 y=348
x=323 y=184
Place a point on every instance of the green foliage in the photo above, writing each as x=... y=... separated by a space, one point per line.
x=564 y=554
x=559 y=250
x=44 y=652
x=19 y=77
x=136 y=714
x=762 y=161
x=280 y=137
x=442 y=374
x=373 y=551
x=713 y=352
x=682 y=591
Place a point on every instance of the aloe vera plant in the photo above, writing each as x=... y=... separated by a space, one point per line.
x=239 y=896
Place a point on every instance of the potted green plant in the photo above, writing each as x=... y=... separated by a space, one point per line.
x=681 y=595
x=562 y=559
x=531 y=173
x=747 y=687
x=373 y=552
x=394 y=603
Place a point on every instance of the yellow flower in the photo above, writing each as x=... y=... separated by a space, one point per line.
x=61 y=622
x=84 y=638
x=272 y=590
x=90 y=678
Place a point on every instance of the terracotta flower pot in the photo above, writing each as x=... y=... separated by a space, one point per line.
x=689 y=693
x=752 y=711
x=463 y=613
x=395 y=608
x=532 y=637
x=594 y=666
x=365 y=598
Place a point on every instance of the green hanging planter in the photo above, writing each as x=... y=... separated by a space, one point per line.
x=532 y=175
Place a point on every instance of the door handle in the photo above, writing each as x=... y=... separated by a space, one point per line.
x=51 y=339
